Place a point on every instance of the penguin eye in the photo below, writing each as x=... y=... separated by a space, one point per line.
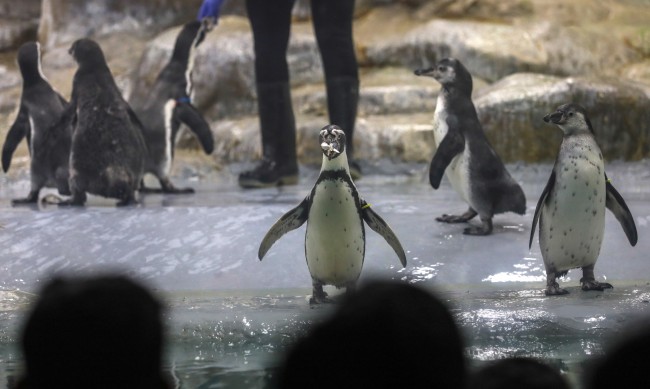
x=570 y=114
x=441 y=68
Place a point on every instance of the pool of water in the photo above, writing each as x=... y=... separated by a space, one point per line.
x=230 y=316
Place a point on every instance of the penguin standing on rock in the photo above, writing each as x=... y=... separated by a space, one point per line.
x=335 y=240
x=168 y=105
x=49 y=145
x=108 y=151
x=464 y=154
x=571 y=209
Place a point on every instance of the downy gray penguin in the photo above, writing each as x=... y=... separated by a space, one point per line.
x=334 y=211
x=49 y=145
x=571 y=209
x=168 y=105
x=108 y=150
x=464 y=153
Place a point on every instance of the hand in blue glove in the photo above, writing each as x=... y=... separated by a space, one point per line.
x=210 y=10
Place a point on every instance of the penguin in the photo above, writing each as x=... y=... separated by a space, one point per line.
x=334 y=211
x=49 y=145
x=464 y=153
x=108 y=151
x=168 y=105
x=571 y=209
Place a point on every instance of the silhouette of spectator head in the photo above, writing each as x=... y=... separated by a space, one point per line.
x=99 y=332
x=517 y=373
x=625 y=362
x=385 y=335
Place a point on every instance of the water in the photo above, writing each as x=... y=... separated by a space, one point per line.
x=230 y=316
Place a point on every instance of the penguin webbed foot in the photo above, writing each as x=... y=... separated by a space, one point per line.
x=484 y=229
x=555 y=290
x=127 y=201
x=467 y=216
x=24 y=201
x=320 y=299
x=166 y=190
x=552 y=287
x=319 y=296
x=592 y=284
x=71 y=203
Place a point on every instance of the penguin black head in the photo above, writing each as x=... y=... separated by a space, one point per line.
x=87 y=53
x=451 y=73
x=332 y=141
x=571 y=118
x=29 y=61
x=190 y=36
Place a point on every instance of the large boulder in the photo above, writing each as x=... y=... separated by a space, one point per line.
x=512 y=109
x=18 y=22
x=490 y=51
x=64 y=21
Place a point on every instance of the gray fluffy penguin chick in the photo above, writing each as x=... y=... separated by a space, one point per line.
x=108 y=150
x=464 y=154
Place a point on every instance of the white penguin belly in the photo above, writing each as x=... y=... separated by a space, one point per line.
x=458 y=170
x=573 y=220
x=335 y=243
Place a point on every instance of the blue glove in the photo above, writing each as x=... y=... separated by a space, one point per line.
x=209 y=10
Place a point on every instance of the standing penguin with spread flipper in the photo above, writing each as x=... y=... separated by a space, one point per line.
x=335 y=240
x=108 y=151
x=571 y=209
x=464 y=154
x=49 y=144
x=168 y=105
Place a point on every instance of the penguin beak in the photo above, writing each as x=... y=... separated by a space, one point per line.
x=424 y=72
x=555 y=117
x=330 y=149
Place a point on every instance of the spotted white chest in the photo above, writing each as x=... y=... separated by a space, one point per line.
x=334 y=242
x=572 y=220
x=458 y=170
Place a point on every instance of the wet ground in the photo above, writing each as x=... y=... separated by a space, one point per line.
x=230 y=316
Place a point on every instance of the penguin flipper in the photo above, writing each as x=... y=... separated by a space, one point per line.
x=615 y=203
x=190 y=116
x=15 y=135
x=288 y=222
x=452 y=144
x=377 y=224
x=549 y=187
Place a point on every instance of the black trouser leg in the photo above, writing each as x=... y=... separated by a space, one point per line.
x=279 y=164
x=271 y=25
x=342 y=100
x=333 y=29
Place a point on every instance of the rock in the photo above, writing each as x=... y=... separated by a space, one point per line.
x=373 y=100
x=512 y=109
x=489 y=51
x=18 y=22
x=639 y=72
x=577 y=50
x=64 y=21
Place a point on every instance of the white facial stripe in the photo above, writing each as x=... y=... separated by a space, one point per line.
x=169 y=112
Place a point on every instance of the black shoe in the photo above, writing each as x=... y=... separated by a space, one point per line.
x=269 y=173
